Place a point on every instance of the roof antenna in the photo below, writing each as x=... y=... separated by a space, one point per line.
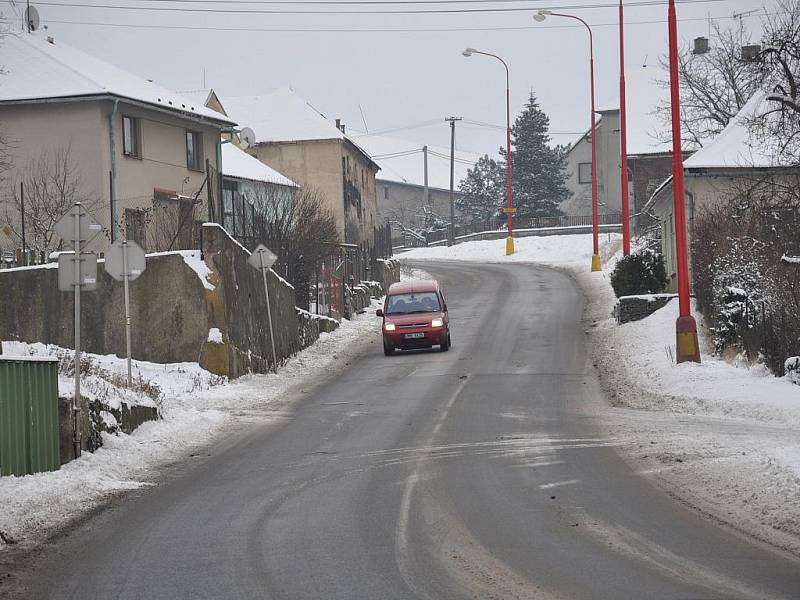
x=363 y=120
x=204 y=78
x=644 y=64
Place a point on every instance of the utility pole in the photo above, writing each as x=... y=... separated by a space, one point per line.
x=452 y=237
x=22 y=216
x=426 y=193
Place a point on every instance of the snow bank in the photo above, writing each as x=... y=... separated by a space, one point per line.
x=555 y=250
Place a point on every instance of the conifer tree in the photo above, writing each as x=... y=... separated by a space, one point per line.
x=539 y=177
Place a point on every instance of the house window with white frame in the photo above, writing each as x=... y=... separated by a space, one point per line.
x=585 y=172
x=194 y=150
x=131 y=137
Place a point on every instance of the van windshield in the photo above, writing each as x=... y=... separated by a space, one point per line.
x=420 y=302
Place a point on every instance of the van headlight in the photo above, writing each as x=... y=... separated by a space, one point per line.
x=389 y=326
x=437 y=323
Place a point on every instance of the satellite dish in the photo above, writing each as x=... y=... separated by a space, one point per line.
x=248 y=137
x=31 y=18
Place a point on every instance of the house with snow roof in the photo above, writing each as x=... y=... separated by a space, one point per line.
x=649 y=157
x=414 y=180
x=735 y=161
x=137 y=153
x=295 y=139
x=247 y=183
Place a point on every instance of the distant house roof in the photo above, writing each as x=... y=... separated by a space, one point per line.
x=239 y=164
x=735 y=146
x=402 y=161
x=37 y=67
x=283 y=116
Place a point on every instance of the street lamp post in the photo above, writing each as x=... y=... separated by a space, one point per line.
x=687 y=348
x=541 y=16
x=509 y=210
x=623 y=139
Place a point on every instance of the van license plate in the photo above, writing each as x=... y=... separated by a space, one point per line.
x=414 y=336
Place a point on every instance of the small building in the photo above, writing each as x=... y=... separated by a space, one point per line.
x=401 y=182
x=293 y=138
x=135 y=153
x=250 y=189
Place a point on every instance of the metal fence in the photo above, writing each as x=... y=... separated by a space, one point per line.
x=771 y=335
x=29 y=434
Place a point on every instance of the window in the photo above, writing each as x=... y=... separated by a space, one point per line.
x=419 y=302
x=131 y=137
x=194 y=150
x=386 y=192
x=585 y=173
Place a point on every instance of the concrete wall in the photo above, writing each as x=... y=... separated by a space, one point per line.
x=83 y=127
x=171 y=311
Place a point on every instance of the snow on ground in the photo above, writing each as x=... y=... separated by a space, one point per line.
x=555 y=250
x=723 y=437
x=196 y=406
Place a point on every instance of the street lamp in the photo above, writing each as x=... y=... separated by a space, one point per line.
x=509 y=209
x=539 y=17
x=686 y=345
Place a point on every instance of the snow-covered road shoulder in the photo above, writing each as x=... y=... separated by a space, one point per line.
x=197 y=407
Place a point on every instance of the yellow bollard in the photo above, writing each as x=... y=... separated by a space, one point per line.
x=596 y=264
x=509 y=246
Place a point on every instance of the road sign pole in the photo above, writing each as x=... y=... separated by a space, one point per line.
x=127 y=308
x=269 y=314
x=76 y=399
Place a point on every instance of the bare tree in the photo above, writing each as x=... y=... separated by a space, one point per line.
x=714 y=86
x=778 y=127
x=52 y=185
x=299 y=228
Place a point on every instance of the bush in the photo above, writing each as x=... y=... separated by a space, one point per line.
x=640 y=273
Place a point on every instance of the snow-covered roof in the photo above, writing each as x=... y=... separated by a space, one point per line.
x=643 y=94
x=281 y=116
x=37 y=68
x=402 y=161
x=734 y=146
x=239 y=164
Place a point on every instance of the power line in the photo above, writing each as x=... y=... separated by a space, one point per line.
x=362 y=29
x=251 y=11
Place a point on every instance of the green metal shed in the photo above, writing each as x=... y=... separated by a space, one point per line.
x=28 y=415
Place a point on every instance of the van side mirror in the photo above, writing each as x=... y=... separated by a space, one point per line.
x=379 y=312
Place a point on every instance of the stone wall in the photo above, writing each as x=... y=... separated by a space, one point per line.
x=635 y=308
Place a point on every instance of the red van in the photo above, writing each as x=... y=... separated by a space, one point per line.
x=415 y=316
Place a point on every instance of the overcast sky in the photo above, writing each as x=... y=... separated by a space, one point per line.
x=398 y=78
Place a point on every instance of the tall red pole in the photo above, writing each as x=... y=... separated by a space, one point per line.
x=685 y=327
x=623 y=139
x=509 y=169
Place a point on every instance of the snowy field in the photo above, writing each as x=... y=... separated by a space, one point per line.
x=197 y=407
x=556 y=250
x=723 y=437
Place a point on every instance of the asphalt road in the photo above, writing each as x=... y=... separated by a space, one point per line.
x=477 y=473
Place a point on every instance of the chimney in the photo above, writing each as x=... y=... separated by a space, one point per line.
x=700 y=45
x=339 y=124
x=342 y=128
